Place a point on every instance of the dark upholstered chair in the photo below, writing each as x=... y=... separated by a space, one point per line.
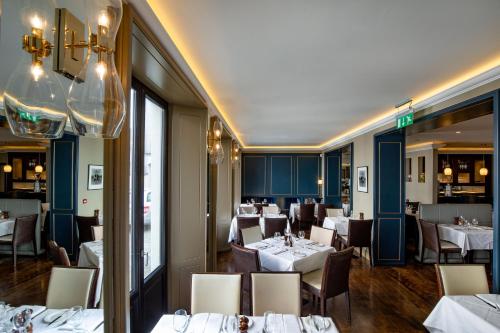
x=24 y=232
x=274 y=224
x=322 y=213
x=83 y=225
x=243 y=222
x=306 y=215
x=58 y=254
x=430 y=240
x=359 y=234
x=332 y=280
x=245 y=261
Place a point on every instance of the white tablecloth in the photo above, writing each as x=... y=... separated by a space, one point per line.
x=273 y=259
x=91 y=255
x=233 y=229
x=7 y=226
x=294 y=209
x=457 y=314
x=339 y=223
x=211 y=323
x=468 y=238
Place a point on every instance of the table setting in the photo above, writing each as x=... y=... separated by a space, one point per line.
x=339 y=223
x=468 y=236
x=91 y=255
x=7 y=226
x=233 y=229
x=181 y=322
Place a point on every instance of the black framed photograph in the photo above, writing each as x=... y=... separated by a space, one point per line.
x=363 y=179
x=96 y=177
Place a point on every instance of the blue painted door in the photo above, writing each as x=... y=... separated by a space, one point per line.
x=389 y=227
x=333 y=178
x=64 y=185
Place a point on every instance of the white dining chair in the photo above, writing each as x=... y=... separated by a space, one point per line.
x=251 y=235
x=216 y=293
x=322 y=235
x=334 y=212
x=97 y=232
x=279 y=292
x=71 y=286
x=273 y=210
x=462 y=279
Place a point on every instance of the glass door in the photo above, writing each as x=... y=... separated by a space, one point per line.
x=148 y=210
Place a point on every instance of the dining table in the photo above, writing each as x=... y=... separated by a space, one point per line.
x=216 y=323
x=457 y=314
x=91 y=255
x=304 y=256
x=233 y=229
x=7 y=226
x=339 y=223
x=294 y=210
x=55 y=320
x=467 y=237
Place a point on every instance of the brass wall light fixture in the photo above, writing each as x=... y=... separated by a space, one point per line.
x=235 y=155
x=214 y=139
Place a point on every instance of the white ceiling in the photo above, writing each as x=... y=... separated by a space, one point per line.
x=301 y=72
x=477 y=130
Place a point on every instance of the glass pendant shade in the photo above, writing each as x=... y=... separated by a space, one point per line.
x=448 y=171
x=96 y=100
x=483 y=171
x=38 y=168
x=217 y=153
x=7 y=168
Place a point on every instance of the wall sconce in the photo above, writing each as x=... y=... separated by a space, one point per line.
x=35 y=103
x=320 y=181
x=215 y=141
x=235 y=155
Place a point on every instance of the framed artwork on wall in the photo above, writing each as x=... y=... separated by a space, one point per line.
x=363 y=179
x=96 y=177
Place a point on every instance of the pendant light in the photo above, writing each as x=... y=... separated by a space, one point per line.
x=35 y=102
x=96 y=100
x=7 y=168
x=447 y=170
x=38 y=167
x=483 y=171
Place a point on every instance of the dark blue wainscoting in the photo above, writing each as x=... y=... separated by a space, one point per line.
x=280 y=175
x=333 y=178
x=388 y=233
x=64 y=187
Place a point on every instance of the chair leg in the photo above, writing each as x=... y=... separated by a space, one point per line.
x=445 y=257
x=348 y=306
x=322 y=300
x=14 y=255
x=370 y=254
x=35 y=250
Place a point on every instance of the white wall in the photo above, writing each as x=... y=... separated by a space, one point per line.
x=90 y=151
x=422 y=192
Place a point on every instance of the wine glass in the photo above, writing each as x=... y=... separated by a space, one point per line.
x=319 y=323
x=301 y=234
x=21 y=320
x=475 y=222
x=180 y=320
x=277 y=236
x=76 y=320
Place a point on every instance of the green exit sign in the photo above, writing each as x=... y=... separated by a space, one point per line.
x=405 y=120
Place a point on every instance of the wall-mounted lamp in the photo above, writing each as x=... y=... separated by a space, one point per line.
x=235 y=154
x=35 y=102
x=214 y=139
x=320 y=181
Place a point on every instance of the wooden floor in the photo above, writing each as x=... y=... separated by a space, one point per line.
x=383 y=299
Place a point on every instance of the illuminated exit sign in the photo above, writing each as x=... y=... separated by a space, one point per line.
x=405 y=120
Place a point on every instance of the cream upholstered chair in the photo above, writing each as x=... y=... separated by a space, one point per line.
x=97 y=232
x=462 y=280
x=322 y=235
x=279 y=292
x=270 y=210
x=251 y=235
x=71 y=286
x=334 y=212
x=216 y=293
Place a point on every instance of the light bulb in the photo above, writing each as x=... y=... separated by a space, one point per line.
x=217 y=133
x=36 y=22
x=448 y=171
x=217 y=154
x=217 y=128
x=103 y=20
x=35 y=102
x=236 y=157
x=38 y=168
x=100 y=69
x=217 y=146
x=483 y=171
x=7 y=168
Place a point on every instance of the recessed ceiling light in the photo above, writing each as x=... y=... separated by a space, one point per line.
x=458 y=132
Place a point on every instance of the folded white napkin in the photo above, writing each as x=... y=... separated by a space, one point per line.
x=205 y=322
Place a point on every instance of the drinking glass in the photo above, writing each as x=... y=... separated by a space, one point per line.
x=301 y=234
x=475 y=222
x=180 y=320
x=319 y=323
x=21 y=320
x=76 y=320
x=277 y=236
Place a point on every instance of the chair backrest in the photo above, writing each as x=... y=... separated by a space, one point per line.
x=322 y=235
x=44 y=216
x=279 y=292
x=270 y=210
x=251 y=235
x=359 y=233
x=246 y=209
x=245 y=261
x=84 y=224
x=97 y=232
x=24 y=229
x=430 y=235
x=58 y=254
x=71 y=286
x=462 y=280
x=243 y=222
x=216 y=293
x=259 y=208
x=274 y=224
x=307 y=212
x=322 y=211
x=336 y=273
x=334 y=212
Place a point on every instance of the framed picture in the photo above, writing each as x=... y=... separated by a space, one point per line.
x=96 y=177
x=363 y=179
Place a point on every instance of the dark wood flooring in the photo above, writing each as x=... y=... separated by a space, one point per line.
x=383 y=299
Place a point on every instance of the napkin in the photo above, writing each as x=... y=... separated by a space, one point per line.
x=205 y=322
x=92 y=318
x=492 y=299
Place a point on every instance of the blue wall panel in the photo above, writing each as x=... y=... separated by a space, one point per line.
x=333 y=170
x=281 y=175
x=254 y=175
x=307 y=175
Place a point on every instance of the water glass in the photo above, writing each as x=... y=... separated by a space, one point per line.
x=475 y=222
x=301 y=234
x=180 y=320
x=318 y=323
x=277 y=236
x=21 y=320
